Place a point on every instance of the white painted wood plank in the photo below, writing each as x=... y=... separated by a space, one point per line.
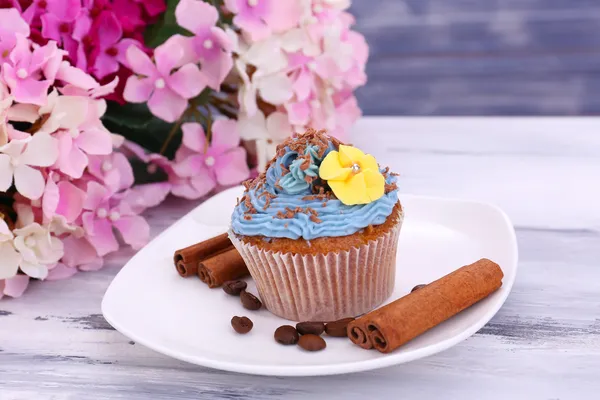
x=543 y=344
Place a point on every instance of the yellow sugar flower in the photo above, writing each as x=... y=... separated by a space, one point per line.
x=353 y=175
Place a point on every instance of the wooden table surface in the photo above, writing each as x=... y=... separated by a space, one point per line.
x=543 y=344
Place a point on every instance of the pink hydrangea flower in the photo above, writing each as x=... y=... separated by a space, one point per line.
x=260 y=18
x=102 y=216
x=180 y=186
x=15 y=286
x=22 y=73
x=77 y=145
x=222 y=162
x=11 y=22
x=60 y=271
x=80 y=254
x=211 y=44
x=61 y=197
x=165 y=91
x=113 y=170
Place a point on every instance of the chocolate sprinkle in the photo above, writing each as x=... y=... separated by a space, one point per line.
x=389 y=187
x=315 y=219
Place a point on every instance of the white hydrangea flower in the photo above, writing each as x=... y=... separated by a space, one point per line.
x=268 y=133
x=18 y=159
x=37 y=249
x=269 y=80
x=9 y=257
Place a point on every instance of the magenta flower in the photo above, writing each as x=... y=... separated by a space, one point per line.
x=102 y=216
x=129 y=14
x=165 y=91
x=23 y=73
x=153 y=7
x=210 y=43
x=110 y=48
x=67 y=23
x=223 y=162
x=35 y=9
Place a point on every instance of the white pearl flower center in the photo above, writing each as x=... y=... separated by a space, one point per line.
x=208 y=44
x=159 y=83
x=252 y=3
x=355 y=168
x=22 y=73
x=106 y=166
x=102 y=213
x=114 y=215
x=209 y=161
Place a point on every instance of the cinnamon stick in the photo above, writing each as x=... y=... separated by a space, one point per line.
x=391 y=326
x=222 y=267
x=357 y=332
x=186 y=260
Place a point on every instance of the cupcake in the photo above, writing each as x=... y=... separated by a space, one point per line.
x=319 y=229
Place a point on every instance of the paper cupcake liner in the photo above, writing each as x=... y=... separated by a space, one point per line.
x=324 y=287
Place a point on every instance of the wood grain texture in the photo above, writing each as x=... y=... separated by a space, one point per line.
x=543 y=344
x=479 y=57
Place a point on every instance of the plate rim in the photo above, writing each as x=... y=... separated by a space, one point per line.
x=328 y=369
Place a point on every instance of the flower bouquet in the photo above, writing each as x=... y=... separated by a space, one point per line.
x=108 y=106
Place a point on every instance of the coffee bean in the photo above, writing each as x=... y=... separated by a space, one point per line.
x=338 y=328
x=234 y=288
x=418 y=287
x=250 y=301
x=286 y=334
x=315 y=328
x=312 y=342
x=241 y=324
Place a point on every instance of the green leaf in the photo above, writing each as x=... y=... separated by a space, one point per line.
x=129 y=114
x=203 y=97
x=165 y=27
x=136 y=123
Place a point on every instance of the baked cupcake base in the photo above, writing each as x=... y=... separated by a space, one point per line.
x=307 y=284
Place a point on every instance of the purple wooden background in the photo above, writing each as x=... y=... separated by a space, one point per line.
x=481 y=57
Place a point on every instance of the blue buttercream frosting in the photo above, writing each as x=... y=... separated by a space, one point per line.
x=289 y=185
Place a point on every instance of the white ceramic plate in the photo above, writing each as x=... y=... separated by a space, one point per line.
x=182 y=318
